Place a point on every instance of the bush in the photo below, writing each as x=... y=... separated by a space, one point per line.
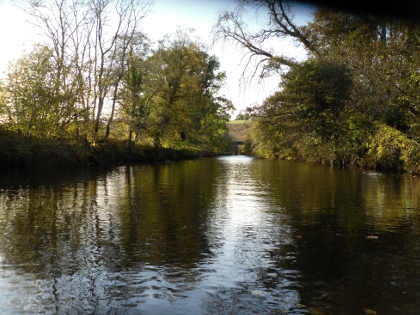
x=390 y=149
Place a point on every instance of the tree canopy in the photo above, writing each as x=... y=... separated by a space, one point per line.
x=360 y=80
x=97 y=76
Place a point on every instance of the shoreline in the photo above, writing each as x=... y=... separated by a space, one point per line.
x=26 y=153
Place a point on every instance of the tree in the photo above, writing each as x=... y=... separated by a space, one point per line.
x=311 y=106
x=381 y=55
x=37 y=103
x=186 y=80
x=245 y=114
x=134 y=97
x=67 y=26
x=172 y=96
x=106 y=49
x=3 y=106
x=214 y=125
x=280 y=25
x=319 y=102
x=317 y=92
x=91 y=36
x=129 y=57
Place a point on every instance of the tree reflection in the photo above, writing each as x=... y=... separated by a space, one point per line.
x=160 y=216
x=231 y=234
x=332 y=213
x=85 y=236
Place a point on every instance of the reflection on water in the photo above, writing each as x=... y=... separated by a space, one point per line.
x=225 y=235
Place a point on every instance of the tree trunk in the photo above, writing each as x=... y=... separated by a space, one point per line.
x=98 y=117
x=130 y=136
x=156 y=142
x=111 y=118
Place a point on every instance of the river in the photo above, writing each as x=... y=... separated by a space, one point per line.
x=226 y=235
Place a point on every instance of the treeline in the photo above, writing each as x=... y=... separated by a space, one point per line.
x=355 y=100
x=97 y=78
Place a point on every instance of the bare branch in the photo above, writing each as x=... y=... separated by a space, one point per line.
x=280 y=25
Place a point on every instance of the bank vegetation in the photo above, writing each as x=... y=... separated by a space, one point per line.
x=99 y=89
x=355 y=99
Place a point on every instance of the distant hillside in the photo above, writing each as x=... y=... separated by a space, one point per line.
x=239 y=130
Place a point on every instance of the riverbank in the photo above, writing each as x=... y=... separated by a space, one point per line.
x=25 y=152
x=379 y=147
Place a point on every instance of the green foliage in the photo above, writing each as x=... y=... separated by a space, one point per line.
x=315 y=94
x=30 y=152
x=3 y=101
x=243 y=117
x=171 y=96
x=382 y=54
x=134 y=102
x=97 y=82
x=355 y=102
x=309 y=112
x=38 y=102
x=389 y=148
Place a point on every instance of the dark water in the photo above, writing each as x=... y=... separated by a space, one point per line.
x=230 y=235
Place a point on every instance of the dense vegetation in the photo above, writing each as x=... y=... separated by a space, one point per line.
x=355 y=100
x=97 y=80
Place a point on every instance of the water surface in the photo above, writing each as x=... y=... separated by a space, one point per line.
x=228 y=235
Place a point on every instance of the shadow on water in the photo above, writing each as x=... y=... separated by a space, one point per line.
x=226 y=235
x=356 y=236
x=102 y=240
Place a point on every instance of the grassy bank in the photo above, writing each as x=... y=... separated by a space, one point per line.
x=26 y=152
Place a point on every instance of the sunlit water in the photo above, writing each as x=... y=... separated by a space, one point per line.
x=228 y=235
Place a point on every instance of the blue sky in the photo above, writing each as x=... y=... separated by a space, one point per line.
x=165 y=17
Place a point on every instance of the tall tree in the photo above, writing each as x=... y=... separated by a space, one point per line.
x=105 y=44
x=172 y=95
x=136 y=94
x=90 y=35
x=131 y=52
x=188 y=79
x=382 y=55
x=34 y=103
x=67 y=26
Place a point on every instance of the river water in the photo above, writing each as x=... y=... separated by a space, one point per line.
x=227 y=235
